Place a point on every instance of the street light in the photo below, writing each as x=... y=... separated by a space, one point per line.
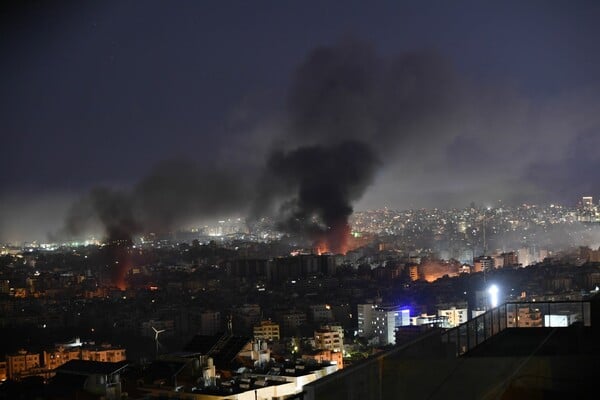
x=493 y=292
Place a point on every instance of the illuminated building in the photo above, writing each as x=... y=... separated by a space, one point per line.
x=511 y=258
x=329 y=339
x=77 y=350
x=57 y=357
x=559 y=320
x=103 y=353
x=380 y=323
x=21 y=363
x=525 y=317
x=365 y=319
x=267 y=330
x=483 y=263
x=454 y=316
x=321 y=356
x=3 y=371
x=588 y=212
x=413 y=272
x=429 y=320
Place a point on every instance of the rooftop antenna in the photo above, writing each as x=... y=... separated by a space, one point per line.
x=484 y=241
x=156 y=333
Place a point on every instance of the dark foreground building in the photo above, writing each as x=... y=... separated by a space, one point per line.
x=489 y=357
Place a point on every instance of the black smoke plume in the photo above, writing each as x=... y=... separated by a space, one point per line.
x=324 y=180
x=347 y=109
x=172 y=194
x=348 y=91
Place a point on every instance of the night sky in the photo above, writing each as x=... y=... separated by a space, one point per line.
x=459 y=101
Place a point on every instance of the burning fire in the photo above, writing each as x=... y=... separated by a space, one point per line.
x=334 y=240
x=120 y=257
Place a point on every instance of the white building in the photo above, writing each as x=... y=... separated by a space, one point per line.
x=365 y=319
x=381 y=322
x=559 y=320
x=454 y=316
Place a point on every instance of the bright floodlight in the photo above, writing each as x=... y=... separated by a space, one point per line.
x=493 y=291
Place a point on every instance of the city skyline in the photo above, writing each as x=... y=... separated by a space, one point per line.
x=212 y=102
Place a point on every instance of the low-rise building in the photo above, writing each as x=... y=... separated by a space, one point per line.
x=524 y=317
x=267 y=330
x=20 y=364
x=322 y=356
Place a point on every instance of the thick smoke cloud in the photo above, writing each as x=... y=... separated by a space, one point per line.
x=323 y=182
x=411 y=124
x=347 y=110
x=173 y=194
x=347 y=91
x=112 y=208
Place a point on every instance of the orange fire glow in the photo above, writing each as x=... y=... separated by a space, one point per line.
x=434 y=270
x=122 y=265
x=335 y=240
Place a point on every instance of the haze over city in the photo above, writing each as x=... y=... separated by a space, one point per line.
x=215 y=109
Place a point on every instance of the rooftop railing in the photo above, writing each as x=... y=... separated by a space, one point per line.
x=533 y=314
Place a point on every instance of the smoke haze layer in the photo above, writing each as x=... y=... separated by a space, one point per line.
x=493 y=104
x=429 y=137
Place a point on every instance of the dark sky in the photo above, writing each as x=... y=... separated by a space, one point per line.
x=98 y=93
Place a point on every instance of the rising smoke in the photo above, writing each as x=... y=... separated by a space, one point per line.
x=323 y=182
x=348 y=110
x=173 y=193
x=168 y=197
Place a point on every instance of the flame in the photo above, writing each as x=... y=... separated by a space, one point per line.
x=122 y=264
x=334 y=240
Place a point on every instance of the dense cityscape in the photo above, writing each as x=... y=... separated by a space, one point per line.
x=299 y=200
x=277 y=299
